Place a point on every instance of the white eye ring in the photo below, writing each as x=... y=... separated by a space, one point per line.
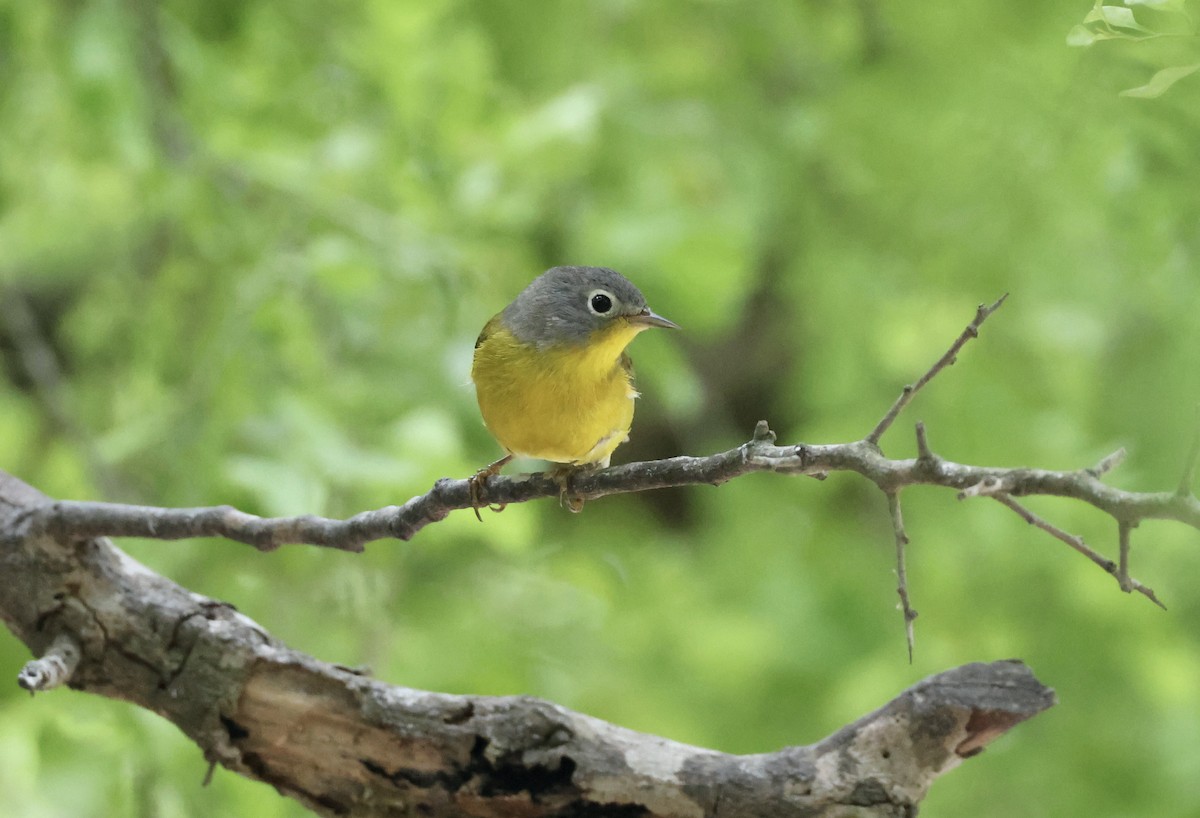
x=601 y=302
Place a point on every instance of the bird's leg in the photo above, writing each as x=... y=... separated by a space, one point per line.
x=561 y=474
x=476 y=481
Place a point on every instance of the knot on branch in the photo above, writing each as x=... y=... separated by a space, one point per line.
x=763 y=433
x=53 y=668
x=990 y=486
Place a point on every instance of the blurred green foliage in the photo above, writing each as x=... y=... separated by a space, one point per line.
x=245 y=248
x=1169 y=20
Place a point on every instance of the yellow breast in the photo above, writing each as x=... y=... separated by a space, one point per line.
x=567 y=404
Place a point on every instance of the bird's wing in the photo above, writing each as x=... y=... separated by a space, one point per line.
x=626 y=362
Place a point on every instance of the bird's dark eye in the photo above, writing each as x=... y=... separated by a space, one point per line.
x=600 y=303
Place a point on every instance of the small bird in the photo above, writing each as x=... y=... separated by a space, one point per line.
x=551 y=373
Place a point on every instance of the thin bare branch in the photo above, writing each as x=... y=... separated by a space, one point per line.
x=1072 y=540
x=66 y=519
x=343 y=743
x=1108 y=464
x=923 y=451
x=1076 y=542
x=909 y=392
x=1123 y=579
x=893 y=498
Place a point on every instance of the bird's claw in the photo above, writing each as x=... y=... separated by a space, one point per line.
x=476 y=483
x=562 y=478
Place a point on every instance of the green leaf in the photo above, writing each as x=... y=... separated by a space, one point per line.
x=1096 y=15
x=1080 y=36
x=1122 y=17
x=1160 y=82
x=1108 y=23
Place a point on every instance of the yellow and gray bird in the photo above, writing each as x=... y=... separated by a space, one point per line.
x=551 y=373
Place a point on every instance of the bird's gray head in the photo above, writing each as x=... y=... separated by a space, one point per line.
x=567 y=304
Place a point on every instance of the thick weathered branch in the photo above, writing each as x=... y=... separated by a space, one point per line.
x=70 y=521
x=345 y=744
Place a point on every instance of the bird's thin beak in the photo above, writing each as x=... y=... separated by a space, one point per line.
x=648 y=319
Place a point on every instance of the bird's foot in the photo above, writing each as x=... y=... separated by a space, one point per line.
x=561 y=475
x=476 y=483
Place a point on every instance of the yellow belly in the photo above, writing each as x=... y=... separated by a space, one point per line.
x=568 y=405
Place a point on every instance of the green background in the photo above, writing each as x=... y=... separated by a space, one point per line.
x=246 y=247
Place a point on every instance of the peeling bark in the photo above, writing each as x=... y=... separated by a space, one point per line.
x=348 y=745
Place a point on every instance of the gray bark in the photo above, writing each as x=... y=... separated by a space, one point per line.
x=348 y=745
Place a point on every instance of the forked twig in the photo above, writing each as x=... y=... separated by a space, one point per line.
x=1076 y=542
x=76 y=520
